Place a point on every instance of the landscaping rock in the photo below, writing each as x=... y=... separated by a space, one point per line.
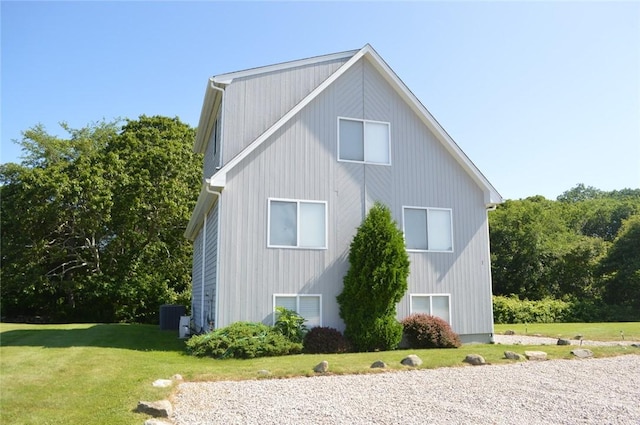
x=157 y=409
x=635 y=345
x=582 y=353
x=162 y=383
x=412 y=360
x=177 y=377
x=474 y=359
x=511 y=355
x=535 y=355
x=509 y=332
x=564 y=342
x=321 y=367
x=379 y=364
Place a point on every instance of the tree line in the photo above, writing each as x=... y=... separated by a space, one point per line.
x=92 y=224
x=92 y=231
x=583 y=248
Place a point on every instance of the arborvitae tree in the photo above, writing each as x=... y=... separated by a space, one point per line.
x=375 y=283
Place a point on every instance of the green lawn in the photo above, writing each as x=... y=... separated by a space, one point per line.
x=592 y=331
x=88 y=373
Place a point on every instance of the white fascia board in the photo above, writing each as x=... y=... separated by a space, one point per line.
x=492 y=196
x=229 y=77
x=205 y=123
x=203 y=206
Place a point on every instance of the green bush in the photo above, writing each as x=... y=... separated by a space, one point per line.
x=290 y=324
x=325 y=340
x=242 y=340
x=513 y=310
x=375 y=282
x=425 y=331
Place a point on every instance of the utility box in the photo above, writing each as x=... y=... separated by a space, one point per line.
x=184 y=330
x=170 y=316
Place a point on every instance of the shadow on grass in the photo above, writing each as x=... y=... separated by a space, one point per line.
x=124 y=336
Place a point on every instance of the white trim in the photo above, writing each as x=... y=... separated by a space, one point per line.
x=229 y=77
x=364 y=142
x=297 y=297
x=404 y=207
x=297 y=202
x=431 y=302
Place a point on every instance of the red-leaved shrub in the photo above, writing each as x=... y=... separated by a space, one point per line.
x=425 y=331
x=325 y=340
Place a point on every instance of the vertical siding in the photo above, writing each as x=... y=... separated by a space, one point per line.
x=196 y=281
x=253 y=104
x=210 y=266
x=300 y=162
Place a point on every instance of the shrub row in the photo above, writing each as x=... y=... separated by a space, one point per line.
x=514 y=310
x=245 y=340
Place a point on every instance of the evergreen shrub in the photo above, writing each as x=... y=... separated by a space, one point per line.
x=242 y=340
x=425 y=331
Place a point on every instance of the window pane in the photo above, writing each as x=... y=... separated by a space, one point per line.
x=376 y=136
x=282 y=229
x=420 y=305
x=440 y=230
x=312 y=225
x=415 y=228
x=287 y=302
x=440 y=304
x=310 y=310
x=351 y=140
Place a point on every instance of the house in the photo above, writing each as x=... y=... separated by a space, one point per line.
x=295 y=154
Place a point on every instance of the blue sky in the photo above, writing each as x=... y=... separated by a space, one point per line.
x=540 y=95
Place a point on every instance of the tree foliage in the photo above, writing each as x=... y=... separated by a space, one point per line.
x=567 y=249
x=92 y=224
x=375 y=283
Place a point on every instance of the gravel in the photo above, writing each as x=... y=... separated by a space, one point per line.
x=593 y=391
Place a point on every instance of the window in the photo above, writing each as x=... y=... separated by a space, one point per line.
x=364 y=141
x=427 y=229
x=307 y=306
x=433 y=304
x=297 y=224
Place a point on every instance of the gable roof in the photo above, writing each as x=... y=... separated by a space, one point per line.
x=214 y=89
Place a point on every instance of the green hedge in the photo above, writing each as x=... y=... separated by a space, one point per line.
x=511 y=309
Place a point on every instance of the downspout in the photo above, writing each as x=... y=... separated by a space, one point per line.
x=202 y=280
x=215 y=301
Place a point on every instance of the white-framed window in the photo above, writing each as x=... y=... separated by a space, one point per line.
x=297 y=224
x=364 y=141
x=438 y=305
x=428 y=229
x=307 y=306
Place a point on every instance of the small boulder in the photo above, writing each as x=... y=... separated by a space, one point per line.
x=535 y=355
x=157 y=409
x=177 y=377
x=379 y=364
x=582 y=353
x=156 y=421
x=162 y=383
x=564 y=342
x=321 y=367
x=512 y=355
x=474 y=359
x=412 y=360
x=509 y=332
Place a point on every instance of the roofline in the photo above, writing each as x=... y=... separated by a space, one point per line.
x=229 y=77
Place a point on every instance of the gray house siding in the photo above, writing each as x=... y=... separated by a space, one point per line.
x=253 y=104
x=300 y=162
x=196 y=281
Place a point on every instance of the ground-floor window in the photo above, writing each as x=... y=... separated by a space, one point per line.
x=434 y=304
x=307 y=306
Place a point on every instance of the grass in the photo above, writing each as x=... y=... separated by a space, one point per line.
x=92 y=373
x=592 y=331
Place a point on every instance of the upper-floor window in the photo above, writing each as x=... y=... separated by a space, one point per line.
x=364 y=141
x=427 y=229
x=297 y=224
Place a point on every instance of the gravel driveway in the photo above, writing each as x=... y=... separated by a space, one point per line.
x=593 y=391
